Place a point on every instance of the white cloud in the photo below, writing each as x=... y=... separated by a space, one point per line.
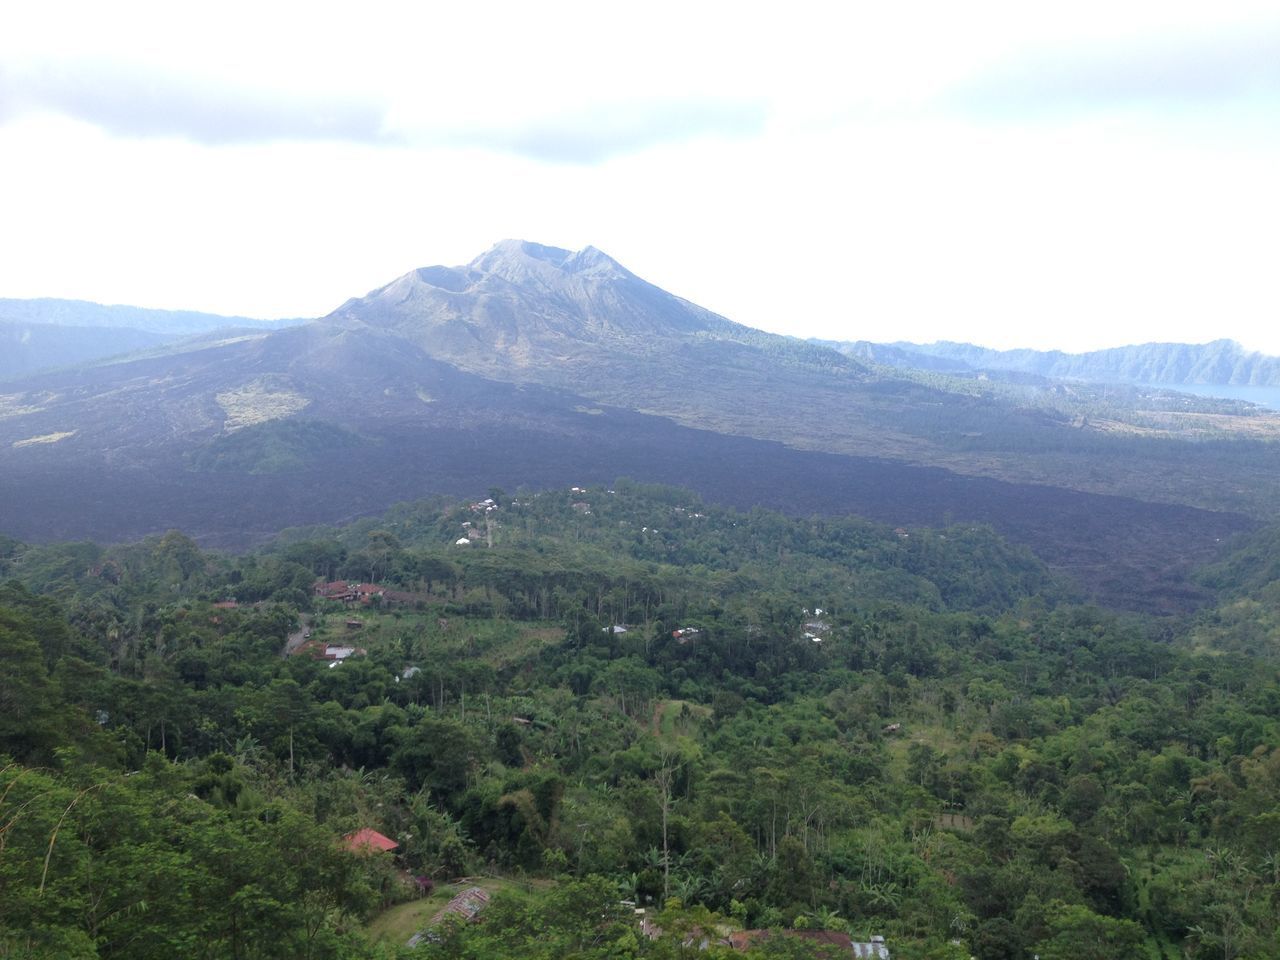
x=855 y=172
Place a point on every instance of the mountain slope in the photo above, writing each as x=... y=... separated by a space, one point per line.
x=526 y=313
x=530 y=312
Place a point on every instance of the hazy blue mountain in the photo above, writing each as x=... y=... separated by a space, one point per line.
x=1222 y=362
x=26 y=348
x=46 y=334
x=82 y=313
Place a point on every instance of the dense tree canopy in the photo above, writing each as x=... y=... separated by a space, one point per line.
x=630 y=700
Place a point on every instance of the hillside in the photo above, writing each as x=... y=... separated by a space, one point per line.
x=748 y=725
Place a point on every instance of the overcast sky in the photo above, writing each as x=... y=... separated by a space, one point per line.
x=1065 y=176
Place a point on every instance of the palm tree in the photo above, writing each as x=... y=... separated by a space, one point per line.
x=628 y=886
x=824 y=918
x=883 y=895
x=687 y=886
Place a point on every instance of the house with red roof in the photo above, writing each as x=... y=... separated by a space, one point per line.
x=366 y=840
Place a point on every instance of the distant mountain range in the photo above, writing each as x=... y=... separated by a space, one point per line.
x=535 y=366
x=1222 y=362
x=47 y=334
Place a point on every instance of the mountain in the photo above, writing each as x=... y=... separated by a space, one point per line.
x=531 y=313
x=523 y=302
x=537 y=366
x=27 y=348
x=82 y=313
x=45 y=334
x=1221 y=362
x=527 y=313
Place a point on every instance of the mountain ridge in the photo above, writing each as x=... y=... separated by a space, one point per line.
x=48 y=333
x=86 y=313
x=1218 y=362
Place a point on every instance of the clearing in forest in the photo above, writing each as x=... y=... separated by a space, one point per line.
x=676 y=718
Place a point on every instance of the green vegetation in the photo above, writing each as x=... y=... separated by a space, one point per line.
x=274 y=447
x=735 y=721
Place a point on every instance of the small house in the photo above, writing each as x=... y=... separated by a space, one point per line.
x=366 y=840
x=875 y=948
x=335 y=590
x=466 y=904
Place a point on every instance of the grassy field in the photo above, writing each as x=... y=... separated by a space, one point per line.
x=496 y=642
x=402 y=921
x=677 y=718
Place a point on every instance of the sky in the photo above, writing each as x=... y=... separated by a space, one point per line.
x=1057 y=176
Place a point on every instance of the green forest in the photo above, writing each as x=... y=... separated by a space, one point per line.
x=758 y=730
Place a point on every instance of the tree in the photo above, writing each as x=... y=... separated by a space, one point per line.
x=1077 y=933
x=30 y=715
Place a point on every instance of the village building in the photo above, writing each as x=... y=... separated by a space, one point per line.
x=466 y=905
x=875 y=948
x=335 y=590
x=349 y=591
x=367 y=840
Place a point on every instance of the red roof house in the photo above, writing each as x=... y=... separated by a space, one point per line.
x=368 y=841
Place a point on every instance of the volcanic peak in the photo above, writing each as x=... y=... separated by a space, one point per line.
x=520 y=261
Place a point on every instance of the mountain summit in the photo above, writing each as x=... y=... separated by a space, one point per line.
x=522 y=304
x=520 y=261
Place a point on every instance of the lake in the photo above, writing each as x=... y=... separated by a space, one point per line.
x=1263 y=396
